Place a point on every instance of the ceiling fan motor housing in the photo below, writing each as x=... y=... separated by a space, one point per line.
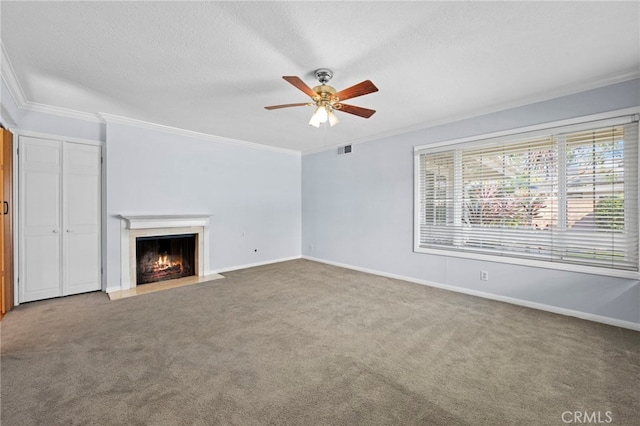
x=325 y=96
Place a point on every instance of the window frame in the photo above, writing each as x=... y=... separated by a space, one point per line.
x=564 y=126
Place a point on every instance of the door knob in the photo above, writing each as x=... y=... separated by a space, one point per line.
x=69 y=230
x=55 y=231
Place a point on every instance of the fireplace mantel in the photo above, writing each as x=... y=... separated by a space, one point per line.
x=133 y=226
x=165 y=221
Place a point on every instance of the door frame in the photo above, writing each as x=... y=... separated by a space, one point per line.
x=16 y=200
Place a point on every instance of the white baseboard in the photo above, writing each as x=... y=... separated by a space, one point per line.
x=229 y=269
x=540 y=306
x=252 y=265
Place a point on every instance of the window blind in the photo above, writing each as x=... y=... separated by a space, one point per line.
x=569 y=196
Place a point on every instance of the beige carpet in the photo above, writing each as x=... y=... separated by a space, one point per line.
x=303 y=343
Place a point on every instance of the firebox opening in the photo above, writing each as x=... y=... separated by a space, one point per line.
x=166 y=257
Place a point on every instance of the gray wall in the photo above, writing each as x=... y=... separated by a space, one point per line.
x=357 y=210
x=252 y=194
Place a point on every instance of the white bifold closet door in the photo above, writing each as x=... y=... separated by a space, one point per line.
x=59 y=218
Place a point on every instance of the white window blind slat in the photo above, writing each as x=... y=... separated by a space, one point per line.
x=568 y=197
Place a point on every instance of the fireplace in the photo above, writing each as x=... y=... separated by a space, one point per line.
x=145 y=228
x=165 y=257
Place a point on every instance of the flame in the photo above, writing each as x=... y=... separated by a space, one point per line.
x=165 y=262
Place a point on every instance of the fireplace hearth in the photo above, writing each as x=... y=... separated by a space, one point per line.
x=165 y=257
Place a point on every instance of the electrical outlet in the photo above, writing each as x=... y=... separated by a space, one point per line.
x=484 y=276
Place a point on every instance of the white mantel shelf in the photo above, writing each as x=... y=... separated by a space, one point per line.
x=165 y=221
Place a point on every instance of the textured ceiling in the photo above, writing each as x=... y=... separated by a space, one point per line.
x=211 y=67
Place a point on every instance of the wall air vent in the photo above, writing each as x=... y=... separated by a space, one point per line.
x=344 y=149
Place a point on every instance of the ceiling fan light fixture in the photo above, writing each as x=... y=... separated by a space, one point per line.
x=319 y=116
x=315 y=118
x=333 y=118
x=322 y=113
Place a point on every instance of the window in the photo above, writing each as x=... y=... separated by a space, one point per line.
x=565 y=197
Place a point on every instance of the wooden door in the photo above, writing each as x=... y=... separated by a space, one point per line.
x=6 y=225
x=81 y=218
x=40 y=219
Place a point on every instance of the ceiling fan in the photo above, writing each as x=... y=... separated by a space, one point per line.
x=327 y=100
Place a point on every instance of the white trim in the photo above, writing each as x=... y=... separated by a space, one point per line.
x=110 y=118
x=17 y=93
x=253 y=265
x=16 y=220
x=631 y=74
x=417 y=211
x=13 y=84
x=9 y=76
x=569 y=267
x=62 y=112
x=511 y=300
x=549 y=126
x=166 y=221
x=40 y=135
x=230 y=269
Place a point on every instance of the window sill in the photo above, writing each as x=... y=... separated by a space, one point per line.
x=592 y=270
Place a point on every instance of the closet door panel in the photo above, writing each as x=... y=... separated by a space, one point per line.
x=40 y=164
x=42 y=199
x=41 y=274
x=82 y=271
x=81 y=207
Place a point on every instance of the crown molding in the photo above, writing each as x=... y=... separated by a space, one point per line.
x=116 y=119
x=17 y=93
x=630 y=74
x=63 y=112
x=9 y=77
